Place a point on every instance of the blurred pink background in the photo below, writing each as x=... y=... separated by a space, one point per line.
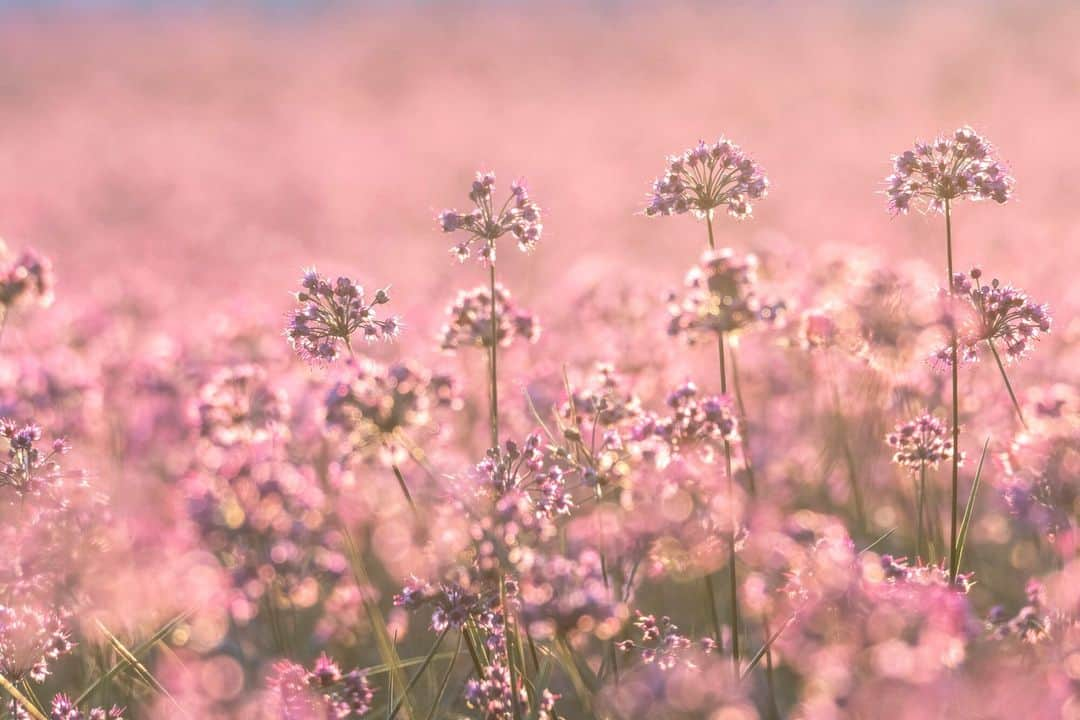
x=205 y=157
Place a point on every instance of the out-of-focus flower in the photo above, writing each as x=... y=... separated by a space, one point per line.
x=381 y=407
x=238 y=405
x=27 y=279
x=661 y=642
x=720 y=298
x=331 y=313
x=567 y=594
x=949 y=168
x=695 y=423
x=493 y=695
x=323 y=693
x=1000 y=312
x=920 y=443
x=469 y=323
x=64 y=708
x=485 y=224
x=28 y=469
x=707 y=177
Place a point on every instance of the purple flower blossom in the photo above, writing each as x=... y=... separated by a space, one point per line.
x=1001 y=312
x=330 y=314
x=720 y=298
x=26 y=280
x=922 y=442
x=949 y=168
x=518 y=215
x=707 y=177
x=469 y=323
x=29 y=469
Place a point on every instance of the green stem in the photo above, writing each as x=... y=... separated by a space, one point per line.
x=747 y=464
x=953 y=499
x=733 y=580
x=20 y=698
x=493 y=365
x=423 y=668
x=1008 y=385
x=405 y=489
x=732 y=574
x=446 y=678
x=919 y=514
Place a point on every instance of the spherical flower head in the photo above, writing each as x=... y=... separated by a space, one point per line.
x=29 y=469
x=952 y=167
x=31 y=639
x=920 y=443
x=517 y=216
x=469 y=323
x=707 y=177
x=563 y=594
x=238 y=405
x=378 y=406
x=720 y=298
x=26 y=280
x=1000 y=313
x=329 y=315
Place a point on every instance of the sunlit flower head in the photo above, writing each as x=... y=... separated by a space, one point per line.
x=518 y=215
x=330 y=314
x=706 y=177
x=720 y=298
x=922 y=442
x=952 y=167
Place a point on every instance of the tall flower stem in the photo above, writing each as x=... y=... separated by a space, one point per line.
x=953 y=500
x=733 y=579
x=493 y=361
x=921 y=502
x=1008 y=385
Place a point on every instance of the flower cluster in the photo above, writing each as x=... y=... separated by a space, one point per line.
x=920 y=443
x=238 y=405
x=25 y=280
x=324 y=692
x=453 y=602
x=28 y=469
x=949 y=168
x=330 y=313
x=720 y=298
x=493 y=695
x=270 y=525
x=469 y=323
x=1001 y=312
x=661 y=642
x=694 y=422
x=707 y=177
x=380 y=407
x=31 y=639
x=567 y=594
x=64 y=708
x=485 y=224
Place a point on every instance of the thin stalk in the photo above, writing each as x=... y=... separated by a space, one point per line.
x=770 y=682
x=514 y=700
x=747 y=464
x=20 y=698
x=849 y=458
x=493 y=365
x=919 y=513
x=1008 y=385
x=733 y=579
x=405 y=489
x=732 y=574
x=421 y=671
x=953 y=499
x=446 y=678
